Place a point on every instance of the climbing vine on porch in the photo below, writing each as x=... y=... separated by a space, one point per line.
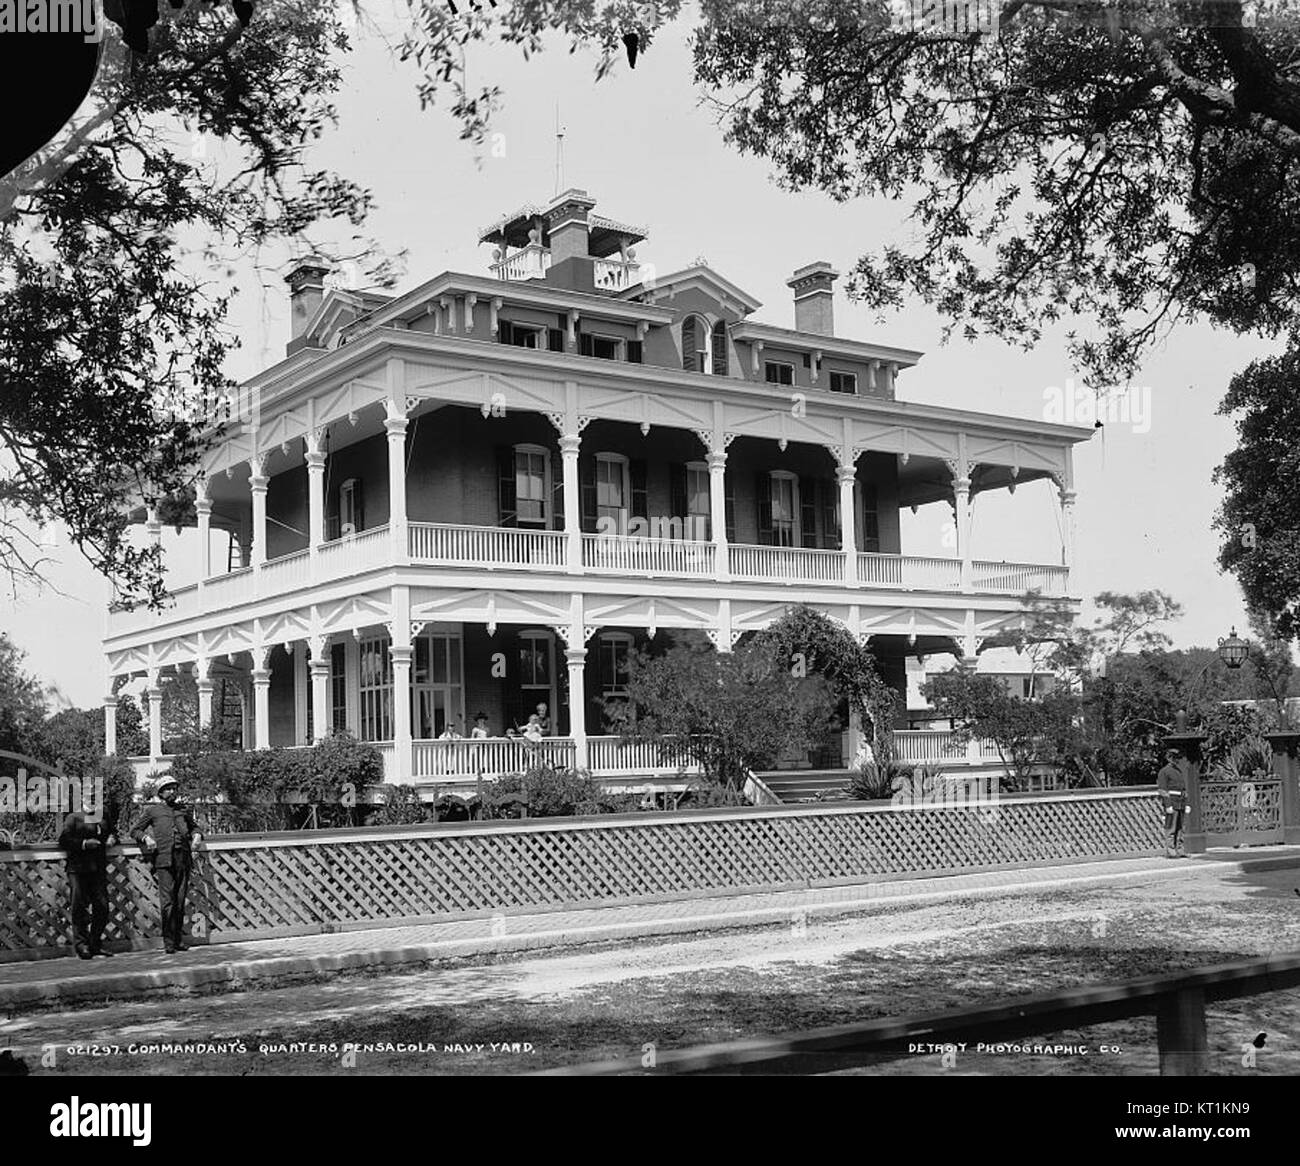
x=807 y=641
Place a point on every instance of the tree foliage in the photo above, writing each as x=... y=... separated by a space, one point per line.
x=1259 y=519
x=113 y=333
x=1130 y=163
x=729 y=712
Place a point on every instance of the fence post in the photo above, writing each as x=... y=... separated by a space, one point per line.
x=1285 y=766
x=1180 y=1033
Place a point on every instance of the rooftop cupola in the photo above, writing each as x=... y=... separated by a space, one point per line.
x=565 y=243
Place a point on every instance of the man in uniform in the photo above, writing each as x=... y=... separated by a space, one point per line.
x=86 y=845
x=167 y=832
x=1171 y=781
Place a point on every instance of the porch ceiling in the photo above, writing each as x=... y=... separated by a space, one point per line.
x=926 y=479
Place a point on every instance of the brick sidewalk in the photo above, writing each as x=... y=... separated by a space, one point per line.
x=232 y=966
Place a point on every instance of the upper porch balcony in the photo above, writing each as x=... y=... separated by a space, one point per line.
x=466 y=548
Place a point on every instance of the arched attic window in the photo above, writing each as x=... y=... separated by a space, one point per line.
x=704 y=349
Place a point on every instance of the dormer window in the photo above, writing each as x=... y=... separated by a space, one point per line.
x=704 y=348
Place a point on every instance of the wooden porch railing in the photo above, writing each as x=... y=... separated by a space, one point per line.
x=486 y=546
x=785 y=564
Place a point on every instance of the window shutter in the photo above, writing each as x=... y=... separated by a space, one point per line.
x=359 y=505
x=690 y=345
x=507 y=501
x=587 y=490
x=678 y=502
x=807 y=360
x=635 y=352
x=870 y=519
x=555 y=339
x=831 y=538
x=585 y=346
x=729 y=508
x=763 y=492
x=505 y=332
x=640 y=494
x=720 y=349
x=807 y=511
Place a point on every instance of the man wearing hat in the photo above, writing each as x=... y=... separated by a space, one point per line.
x=166 y=831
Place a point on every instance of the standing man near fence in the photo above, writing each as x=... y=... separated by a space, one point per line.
x=1171 y=781
x=167 y=832
x=86 y=845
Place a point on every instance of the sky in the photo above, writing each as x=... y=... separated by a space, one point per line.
x=651 y=153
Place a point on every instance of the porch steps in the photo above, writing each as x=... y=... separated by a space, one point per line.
x=805 y=785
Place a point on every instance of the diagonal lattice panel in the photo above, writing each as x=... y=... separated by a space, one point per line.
x=244 y=886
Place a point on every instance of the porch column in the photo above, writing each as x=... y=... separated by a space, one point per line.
x=203 y=682
x=395 y=425
x=855 y=733
x=400 y=652
x=203 y=509
x=960 y=468
x=570 y=444
x=315 y=491
x=110 y=725
x=402 y=747
x=245 y=721
x=261 y=675
x=154 y=693
x=1067 y=497
x=847 y=475
x=320 y=688
x=576 y=658
x=257 y=482
x=718 y=512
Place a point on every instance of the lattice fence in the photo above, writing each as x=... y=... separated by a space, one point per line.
x=243 y=888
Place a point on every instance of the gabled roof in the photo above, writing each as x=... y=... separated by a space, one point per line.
x=664 y=287
x=339 y=308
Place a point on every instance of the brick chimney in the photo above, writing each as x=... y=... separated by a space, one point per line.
x=306 y=291
x=814 y=302
x=567 y=229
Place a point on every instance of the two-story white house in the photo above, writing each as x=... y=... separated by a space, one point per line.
x=484 y=494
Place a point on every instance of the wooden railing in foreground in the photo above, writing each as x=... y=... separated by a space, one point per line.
x=250 y=886
x=1177 y=999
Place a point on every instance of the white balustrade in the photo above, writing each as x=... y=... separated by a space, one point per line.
x=614 y=274
x=491 y=757
x=786 y=564
x=607 y=756
x=287 y=573
x=927 y=573
x=354 y=553
x=939 y=747
x=1019 y=577
x=531 y=262
x=486 y=546
x=647 y=556
x=223 y=591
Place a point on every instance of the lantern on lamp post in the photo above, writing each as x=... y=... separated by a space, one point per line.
x=1234 y=650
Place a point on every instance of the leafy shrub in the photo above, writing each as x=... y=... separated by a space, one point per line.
x=400 y=805
x=878 y=781
x=546 y=792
